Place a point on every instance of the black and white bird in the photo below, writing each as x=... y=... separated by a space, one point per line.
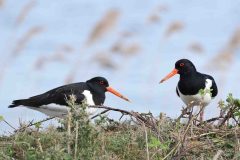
x=191 y=84
x=53 y=102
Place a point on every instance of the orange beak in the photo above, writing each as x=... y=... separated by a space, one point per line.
x=171 y=74
x=113 y=91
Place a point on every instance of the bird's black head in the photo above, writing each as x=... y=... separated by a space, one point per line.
x=184 y=67
x=100 y=85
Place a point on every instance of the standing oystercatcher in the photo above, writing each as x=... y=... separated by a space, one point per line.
x=53 y=102
x=193 y=87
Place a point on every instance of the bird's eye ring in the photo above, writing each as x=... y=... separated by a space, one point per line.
x=101 y=82
x=181 y=64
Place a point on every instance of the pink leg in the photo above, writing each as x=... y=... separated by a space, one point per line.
x=202 y=114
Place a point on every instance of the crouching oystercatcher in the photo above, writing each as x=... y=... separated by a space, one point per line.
x=53 y=102
x=193 y=87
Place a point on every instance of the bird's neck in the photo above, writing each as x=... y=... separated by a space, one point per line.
x=188 y=75
x=190 y=84
x=97 y=94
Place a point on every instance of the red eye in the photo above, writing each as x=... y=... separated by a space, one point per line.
x=181 y=64
x=101 y=82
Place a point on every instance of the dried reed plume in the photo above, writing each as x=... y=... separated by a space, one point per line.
x=59 y=55
x=25 y=11
x=154 y=16
x=173 y=28
x=234 y=42
x=104 y=60
x=127 y=34
x=126 y=49
x=226 y=55
x=2 y=3
x=40 y=63
x=105 y=25
x=22 y=42
x=162 y=8
x=196 y=47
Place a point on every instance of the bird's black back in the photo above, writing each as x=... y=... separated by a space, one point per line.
x=59 y=96
x=191 y=84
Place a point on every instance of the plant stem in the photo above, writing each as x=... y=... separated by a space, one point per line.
x=76 y=141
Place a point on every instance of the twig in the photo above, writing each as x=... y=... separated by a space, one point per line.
x=191 y=118
x=146 y=139
x=182 y=141
x=105 y=111
x=184 y=112
x=69 y=132
x=202 y=135
x=76 y=141
x=169 y=153
x=212 y=119
x=9 y=124
x=39 y=145
x=147 y=119
x=33 y=124
x=237 y=140
x=229 y=115
x=121 y=117
x=111 y=108
x=218 y=154
x=190 y=149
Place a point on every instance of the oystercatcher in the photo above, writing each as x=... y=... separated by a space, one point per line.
x=193 y=87
x=53 y=102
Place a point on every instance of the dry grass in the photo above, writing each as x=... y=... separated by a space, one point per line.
x=142 y=136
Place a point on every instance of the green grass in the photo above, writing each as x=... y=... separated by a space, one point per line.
x=83 y=139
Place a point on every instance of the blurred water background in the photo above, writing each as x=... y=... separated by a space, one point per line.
x=45 y=44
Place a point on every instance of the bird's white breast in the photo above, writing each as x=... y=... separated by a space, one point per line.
x=203 y=99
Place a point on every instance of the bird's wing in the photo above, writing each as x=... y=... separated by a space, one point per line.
x=58 y=96
x=214 y=85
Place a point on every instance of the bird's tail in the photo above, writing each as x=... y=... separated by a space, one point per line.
x=18 y=102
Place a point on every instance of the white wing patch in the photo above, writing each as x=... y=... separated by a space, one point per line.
x=90 y=102
x=208 y=83
x=198 y=98
x=89 y=97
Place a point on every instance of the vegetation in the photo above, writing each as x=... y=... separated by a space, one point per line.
x=80 y=137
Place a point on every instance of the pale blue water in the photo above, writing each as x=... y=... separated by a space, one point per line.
x=211 y=23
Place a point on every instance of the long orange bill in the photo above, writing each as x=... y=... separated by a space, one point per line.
x=174 y=72
x=113 y=91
